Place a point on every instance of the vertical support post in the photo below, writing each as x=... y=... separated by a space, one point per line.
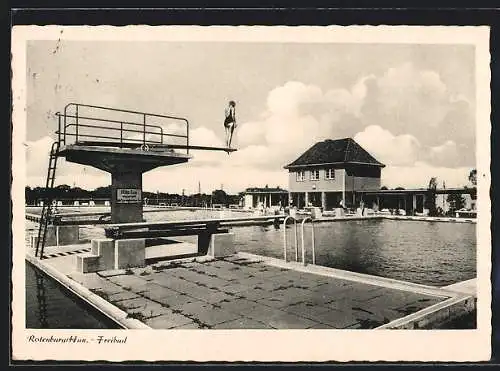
x=343 y=187
x=296 y=244
x=303 y=249
x=144 y=129
x=313 y=243
x=58 y=127
x=64 y=122
x=284 y=237
x=187 y=137
x=121 y=132
x=323 y=200
x=312 y=240
x=76 y=127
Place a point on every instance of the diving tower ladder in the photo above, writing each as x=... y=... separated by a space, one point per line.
x=47 y=200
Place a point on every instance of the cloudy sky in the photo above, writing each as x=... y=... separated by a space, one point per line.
x=412 y=106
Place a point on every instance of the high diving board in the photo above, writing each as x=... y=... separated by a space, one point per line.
x=152 y=146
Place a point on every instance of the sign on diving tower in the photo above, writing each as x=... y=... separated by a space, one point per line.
x=125 y=144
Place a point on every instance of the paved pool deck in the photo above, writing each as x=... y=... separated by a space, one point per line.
x=246 y=291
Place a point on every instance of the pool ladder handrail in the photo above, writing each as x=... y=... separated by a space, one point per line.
x=284 y=238
x=312 y=240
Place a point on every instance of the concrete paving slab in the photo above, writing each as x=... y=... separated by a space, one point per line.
x=177 y=301
x=281 y=301
x=190 y=308
x=237 y=305
x=212 y=316
x=272 y=285
x=217 y=297
x=235 y=288
x=400 y=299
x=158 y=293
x=242 y=323
x=248 y=294
x=306 y=310
x=89 y=280
x=254 y=281
x=207 y=295
x=128 y=280
x=189 y=326
x=108 y=288
x=175 y=283
x=336 y=319
x=124 y=295
x=168 y=320
x=255 y=294
x=289 y=321
x=141 y=308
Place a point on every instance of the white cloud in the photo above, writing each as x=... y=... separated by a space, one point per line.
x=388 y=148
x=232 y=179
x=407 y=100
x=444 y=154
x=418 y=176
x=402 y=117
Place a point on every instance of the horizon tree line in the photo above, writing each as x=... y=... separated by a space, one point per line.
x=67 y=194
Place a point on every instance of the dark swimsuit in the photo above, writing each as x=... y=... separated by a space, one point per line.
x=228 y=120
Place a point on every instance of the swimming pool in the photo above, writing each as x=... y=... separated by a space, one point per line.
x=431 y=253
x=49 y=305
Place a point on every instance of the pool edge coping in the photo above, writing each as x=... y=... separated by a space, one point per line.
x=106 y=308
x=453 y=298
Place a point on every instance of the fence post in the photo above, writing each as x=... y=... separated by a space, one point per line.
x=144 y=130
x=76 y=131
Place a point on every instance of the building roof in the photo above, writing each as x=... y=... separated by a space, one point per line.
x=339 y=151
x=265 y=190
x=464 y=190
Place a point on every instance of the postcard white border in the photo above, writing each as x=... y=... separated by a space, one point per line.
x=261 y=345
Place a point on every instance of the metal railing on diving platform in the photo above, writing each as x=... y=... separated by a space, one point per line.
x=98 y=125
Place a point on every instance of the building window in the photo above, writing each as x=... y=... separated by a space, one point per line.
x=301 y=176
x=314 y=174
x=330 y=174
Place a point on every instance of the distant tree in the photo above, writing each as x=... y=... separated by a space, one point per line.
x=29 y=196
x=399 y=188
x=102 y=192
x=473 y=177
x=383 y=188
x=219 y=197
x=430 y=200
x=456 y=201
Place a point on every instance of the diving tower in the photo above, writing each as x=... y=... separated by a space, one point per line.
x=124 y=143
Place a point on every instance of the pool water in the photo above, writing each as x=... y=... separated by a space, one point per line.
x=430 y=253
x=49 y=305
x=194 y=214
x=425 y=252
